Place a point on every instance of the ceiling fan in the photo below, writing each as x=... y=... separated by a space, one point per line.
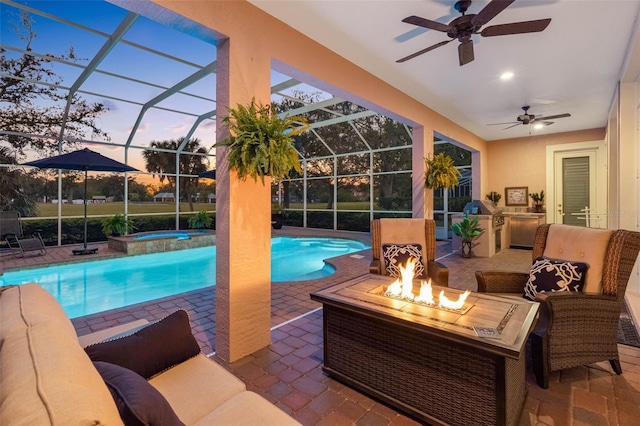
x=463 y=27
x=527 y=118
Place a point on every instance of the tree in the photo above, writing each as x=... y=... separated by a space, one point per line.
x=163 y=164
x=12 y=194
x=32 y=103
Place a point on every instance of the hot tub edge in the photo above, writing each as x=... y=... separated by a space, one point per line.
x=127 y=244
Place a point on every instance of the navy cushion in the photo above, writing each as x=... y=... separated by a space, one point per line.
x=152 y=349
x=396 y=255
x=554 y=275
x=139 y=403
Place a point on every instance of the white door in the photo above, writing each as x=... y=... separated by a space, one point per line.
x=575 y=198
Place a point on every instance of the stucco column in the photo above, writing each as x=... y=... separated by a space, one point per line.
x=422 y=197
x=243 y=216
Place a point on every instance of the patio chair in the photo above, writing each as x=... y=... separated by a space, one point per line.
x=394 y=239
x=574 y=328
x=15 y=240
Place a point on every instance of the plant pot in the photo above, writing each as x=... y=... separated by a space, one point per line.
x=277 y=220
x=465 y=250
x=537 y=208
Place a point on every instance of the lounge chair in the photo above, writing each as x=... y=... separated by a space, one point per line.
x=15 y=240
x=575 y=327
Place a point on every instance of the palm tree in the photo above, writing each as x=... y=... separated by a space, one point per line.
x=163 y=164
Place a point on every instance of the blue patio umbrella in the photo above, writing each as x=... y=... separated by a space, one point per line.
x=211 y=174
x=83 y=160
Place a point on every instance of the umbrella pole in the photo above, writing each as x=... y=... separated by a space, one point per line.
x=85 y=209
x=85 y=250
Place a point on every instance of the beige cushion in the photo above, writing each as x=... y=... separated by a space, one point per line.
x=403 y=231
x=579 y=244
x=196 y=387
x=247 y=409
x=45 y=376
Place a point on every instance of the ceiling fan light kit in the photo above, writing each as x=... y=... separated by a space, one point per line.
x=463 y=27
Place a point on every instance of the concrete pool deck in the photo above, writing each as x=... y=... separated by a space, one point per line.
x=289 y=373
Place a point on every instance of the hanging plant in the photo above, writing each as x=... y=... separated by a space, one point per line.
x=261 y=142
x=441 y=172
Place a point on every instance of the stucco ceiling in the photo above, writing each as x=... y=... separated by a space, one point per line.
x=571 y=67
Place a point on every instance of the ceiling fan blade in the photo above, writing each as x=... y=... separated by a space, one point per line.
x=490 y=11
x=427 y=23
x=465 y=52
x=516 y=28
x=420 y=52
x=512 y=126
x=502 y=124
x=553 y=117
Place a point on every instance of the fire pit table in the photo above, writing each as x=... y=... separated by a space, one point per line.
x=433 y=363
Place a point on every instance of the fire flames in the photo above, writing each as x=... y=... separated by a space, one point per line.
x=402 y=288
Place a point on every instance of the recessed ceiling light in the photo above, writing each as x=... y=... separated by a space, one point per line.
x=538 y=126
x=506 y=76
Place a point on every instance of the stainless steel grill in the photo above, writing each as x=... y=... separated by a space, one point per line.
x=482 y=207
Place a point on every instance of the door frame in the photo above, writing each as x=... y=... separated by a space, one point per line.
x=593 y=149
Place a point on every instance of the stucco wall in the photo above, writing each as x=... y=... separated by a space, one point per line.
x=522 y=161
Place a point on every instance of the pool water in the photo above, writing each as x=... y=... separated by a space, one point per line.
x=95 y=286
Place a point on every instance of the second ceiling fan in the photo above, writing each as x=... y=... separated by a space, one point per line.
x=527 y=118
x=463 y=27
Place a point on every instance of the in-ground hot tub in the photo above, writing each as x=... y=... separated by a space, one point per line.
x=161 y=241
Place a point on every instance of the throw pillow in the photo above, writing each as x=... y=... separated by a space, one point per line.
x=396 y=255
x=554 y=275
x=139 y=403
x=152 y=349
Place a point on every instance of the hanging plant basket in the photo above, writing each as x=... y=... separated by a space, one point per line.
x=261 y=142
x=441 y=172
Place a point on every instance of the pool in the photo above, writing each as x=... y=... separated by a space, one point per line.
x=88 y=287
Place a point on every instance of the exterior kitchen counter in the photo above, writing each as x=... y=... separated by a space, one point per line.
x=521 y=228
x=523 y=214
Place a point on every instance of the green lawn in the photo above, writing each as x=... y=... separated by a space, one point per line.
x=51 y=210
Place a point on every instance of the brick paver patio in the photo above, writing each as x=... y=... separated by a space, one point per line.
x=289 y=371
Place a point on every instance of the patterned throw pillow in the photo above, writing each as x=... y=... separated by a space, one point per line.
x=554 y=275
x=396 y=255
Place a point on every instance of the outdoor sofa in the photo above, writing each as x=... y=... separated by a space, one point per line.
x=48 y=378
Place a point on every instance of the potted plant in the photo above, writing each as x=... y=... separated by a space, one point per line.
x=200 y=220
x=261 y=142
x=441 y=172
x=468 y=230
x=538 y=201
x=117 y=225
x=494 y=197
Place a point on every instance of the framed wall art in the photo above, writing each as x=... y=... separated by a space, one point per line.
x=516 y=196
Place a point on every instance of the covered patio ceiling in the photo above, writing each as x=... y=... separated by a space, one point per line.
x=573 y=66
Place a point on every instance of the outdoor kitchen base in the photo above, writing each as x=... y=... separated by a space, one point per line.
x=435 y=376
